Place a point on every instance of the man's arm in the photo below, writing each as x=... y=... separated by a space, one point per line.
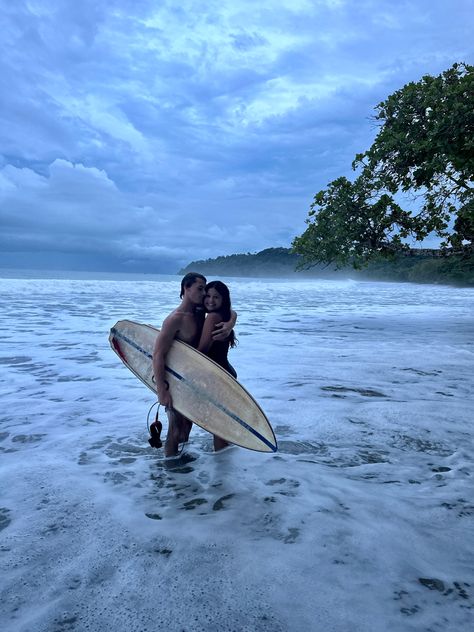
x=163 y=343
x=222 y=330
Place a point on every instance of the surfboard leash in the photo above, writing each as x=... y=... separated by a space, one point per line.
x=156 y=428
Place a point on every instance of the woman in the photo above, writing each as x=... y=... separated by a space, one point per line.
x=218 y=307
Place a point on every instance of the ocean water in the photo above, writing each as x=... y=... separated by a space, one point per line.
x=362 y=521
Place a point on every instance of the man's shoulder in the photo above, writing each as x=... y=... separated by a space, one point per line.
x=173 y=320
x=178 y=318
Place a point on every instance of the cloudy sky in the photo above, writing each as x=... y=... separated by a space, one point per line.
x=143 y=134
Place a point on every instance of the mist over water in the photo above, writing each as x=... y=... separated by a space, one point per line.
x=362 y=521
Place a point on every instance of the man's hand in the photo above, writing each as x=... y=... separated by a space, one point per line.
x=164 y=395
x=166 y=401
x=222 y=331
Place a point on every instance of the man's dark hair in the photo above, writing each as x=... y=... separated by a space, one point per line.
x=189 y=279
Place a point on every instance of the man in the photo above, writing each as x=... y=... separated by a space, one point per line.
x=184 y=323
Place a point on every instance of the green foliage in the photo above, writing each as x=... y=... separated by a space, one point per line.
x=426 y=143
x=464 y=225
x=425 y=146
x=427 y=134
x=453 y=270
x=348 y=225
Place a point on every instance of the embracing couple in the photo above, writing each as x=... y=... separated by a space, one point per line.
x=204 y=320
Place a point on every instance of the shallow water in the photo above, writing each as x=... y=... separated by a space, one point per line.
x=362 y=521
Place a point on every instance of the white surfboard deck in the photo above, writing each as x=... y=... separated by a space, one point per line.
x=201 y=390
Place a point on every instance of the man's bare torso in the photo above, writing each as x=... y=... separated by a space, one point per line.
x=188 y=326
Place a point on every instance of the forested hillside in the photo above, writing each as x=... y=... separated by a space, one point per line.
x=419 y=267
x=272 y=262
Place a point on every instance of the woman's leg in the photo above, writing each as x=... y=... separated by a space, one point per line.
x=219 y=444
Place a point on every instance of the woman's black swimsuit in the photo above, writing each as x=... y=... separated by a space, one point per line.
x=218 y=353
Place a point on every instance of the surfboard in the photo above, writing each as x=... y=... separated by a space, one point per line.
x=201 y=390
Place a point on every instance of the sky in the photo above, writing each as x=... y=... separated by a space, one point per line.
x=139 y=135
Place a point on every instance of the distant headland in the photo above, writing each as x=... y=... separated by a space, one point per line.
x=416 y=266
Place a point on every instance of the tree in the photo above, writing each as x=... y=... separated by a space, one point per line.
x=350 y=225
x=425 y=147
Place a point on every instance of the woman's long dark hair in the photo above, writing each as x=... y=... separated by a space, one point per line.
x=226 y=306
